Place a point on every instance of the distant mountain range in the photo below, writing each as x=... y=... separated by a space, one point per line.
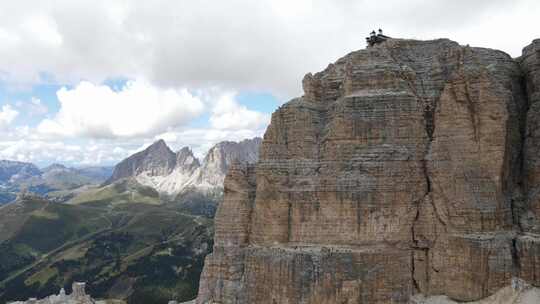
x=157 y=167
x=140 y=233
x=14 y=171
x=174 y=173
x=18 y=176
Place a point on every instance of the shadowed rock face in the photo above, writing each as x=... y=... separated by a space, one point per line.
x=157 y=159
x=406 y=168
x=528 y=245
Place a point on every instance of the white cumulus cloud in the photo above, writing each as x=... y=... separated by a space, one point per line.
x=136 y=109
x=7 y=115
x=35 y=151
x=45 y=152
x=228 y=114
x=265 y=45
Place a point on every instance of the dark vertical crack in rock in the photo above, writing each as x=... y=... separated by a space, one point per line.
x=517 y=200
x=472 y=109
x=413 y=271
x=428 y=109
x=429 y=120
x=289 y=219
x=515 y=258
x=250 y=171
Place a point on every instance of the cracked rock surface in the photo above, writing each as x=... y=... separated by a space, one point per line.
x=411 y=167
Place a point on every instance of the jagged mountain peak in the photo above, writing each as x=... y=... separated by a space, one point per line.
x=222 y=155
x=246 y=149
x=168 y=172
x=156 y=159
x=184 y=152
x=186 y=158
x=159 y=145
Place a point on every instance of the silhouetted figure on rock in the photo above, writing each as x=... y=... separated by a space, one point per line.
x=375 y=38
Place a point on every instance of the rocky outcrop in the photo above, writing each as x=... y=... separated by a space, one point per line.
x=406 y=168
x=78 y=296
x=172 y=173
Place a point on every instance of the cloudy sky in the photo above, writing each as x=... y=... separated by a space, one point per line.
x=89 y=82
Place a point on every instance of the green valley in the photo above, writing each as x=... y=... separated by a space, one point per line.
x=123 y=239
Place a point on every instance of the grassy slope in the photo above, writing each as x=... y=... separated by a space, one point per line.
x=13 y=216
x=59 y=184
x=125 y=191
x=135 y=247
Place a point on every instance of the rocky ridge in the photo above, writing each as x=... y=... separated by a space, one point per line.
x=13 y=171
x=408 y=168
x=21 y=176
x=172 y=173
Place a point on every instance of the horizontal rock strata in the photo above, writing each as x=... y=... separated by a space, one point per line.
x=411 y=167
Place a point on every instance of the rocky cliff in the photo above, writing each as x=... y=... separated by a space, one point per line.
x=411 y=167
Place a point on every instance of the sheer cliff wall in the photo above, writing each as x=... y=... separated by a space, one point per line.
x=409 y=167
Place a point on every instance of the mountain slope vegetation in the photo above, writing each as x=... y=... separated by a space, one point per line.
x=135 y=251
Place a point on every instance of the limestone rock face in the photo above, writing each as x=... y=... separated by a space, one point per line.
x=528 y=246
x=399 y=172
